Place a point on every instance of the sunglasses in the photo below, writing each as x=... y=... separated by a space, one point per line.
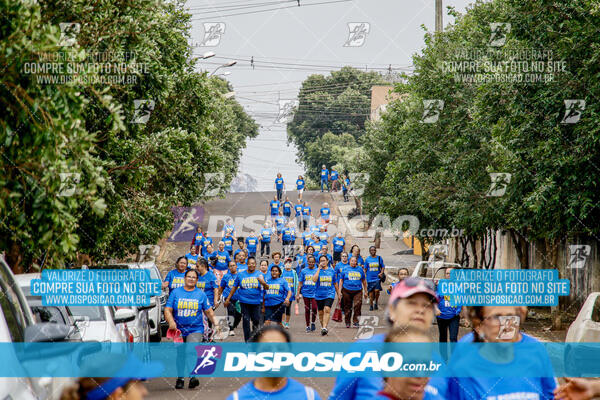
x=414 y=282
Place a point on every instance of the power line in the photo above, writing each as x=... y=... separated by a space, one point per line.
x=236 y=7
x=277 y=8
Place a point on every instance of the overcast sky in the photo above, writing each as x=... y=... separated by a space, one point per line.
x=289 y=43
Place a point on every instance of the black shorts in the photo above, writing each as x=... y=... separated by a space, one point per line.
x=337 y=256
x=321 y=304
x=374 y=285
x=274 y=313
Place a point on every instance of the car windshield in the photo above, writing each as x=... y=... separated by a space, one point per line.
x=47 y=314
x=94 y=313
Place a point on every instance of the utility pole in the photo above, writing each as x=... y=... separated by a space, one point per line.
x=439 y=25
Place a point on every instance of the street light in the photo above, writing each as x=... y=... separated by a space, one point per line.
x=229 y=64
x=208 y=54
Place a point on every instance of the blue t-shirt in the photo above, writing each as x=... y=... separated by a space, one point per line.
x=280 y=265
x=279 y=183
x=470 y=361
x=353 y=278
x=205 y=242
x=223 y=259
x=277 y=292
x=208 y=284
x=228 y=240
x=250 y=291
x=175 y=279
x=291 y=279
x=338 y=244
x=339 y=267
x=227 y=283
x=228 y=229
x=324 y=174
x=301 y=260
x=447 y=311
x=305 y=238
x=317 y=246
x=325 y=213
x=198 y=239
x=359 y=260
x=334 y=175
x=187 y=309
x=293 y=390
x=373 y=268
x=306 y=211
x=241 y=267
x=325 y=288
x=308 y=286
x=251 y=243
x=191 y=260
x=287 y=207
x=265 y=235
x=208 y=255
x=324 y=236
x=299 y=184
x=298 y=209
x=280 y=222
x=288 y=234
x=274 y=207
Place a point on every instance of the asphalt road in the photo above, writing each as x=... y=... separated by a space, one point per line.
x=244 y=205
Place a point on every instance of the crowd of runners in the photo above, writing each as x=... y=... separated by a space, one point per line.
x=262 y=290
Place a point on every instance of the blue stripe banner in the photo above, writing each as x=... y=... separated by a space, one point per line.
x=302 y=359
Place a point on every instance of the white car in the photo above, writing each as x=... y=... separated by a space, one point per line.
x=102 y=323
x=155 y=315
x=17 y=324
x=433 y=270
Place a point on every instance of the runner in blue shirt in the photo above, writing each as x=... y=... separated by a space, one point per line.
x=291 y=278
x=263 y=268
x=234 y=312
x=206 y=241
x=223 y=259
x=339 y=246
x=228 y=229
x=192 y=257
x=306 y=290
x=300 y=260
x=345 y=187
x=355 y=252
x=298 y=215
x=276 y=261
x=300 y=187
x=277 y=296
x=448 y=319
x=240 y=262
x=274 y=207
x=280 y=222
x=207 y=282
x=500 y=324
x=340 y=265
x=353 y=283
x=323 y=235
x=324 y=177
x=209 y=252
x=249 y=285
x=184 y=312
x=273 y=388
x=375 y=269
x=305 y=238
x=334 y=179
x=279 y=186
x=251 y=244
x=306 y=214
x=287 y=208
x=197 y=240
x=288 y=237
x=325 y=212
x=228 y=241
x=265 y=239
x=175 y=277
x=325 y=291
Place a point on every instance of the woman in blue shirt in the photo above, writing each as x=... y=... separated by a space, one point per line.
x=279 y=186
x=298 y=215
x=353 y=285
x=175 y=277
x=374 y=268
x=345 y=187
x=184 y=312
x=274 y=207
x=234 y=312
x=277 y=296
x=291 y=278
x=265 y=239
x=300 y=260
x=209 y=252
x=306 y=214
x=197 y=240
x=448 y=319
x=339 y=246
x=223 y=258
x=249 y=285
x=192 y=257
x=207 y=282
x=273 y=388
x=300 y=187
x=325 y=291
x=287 y=207
x=355 y=252
x=306 y=290
x=252 y=244
x=499 y=324
x=324 y=177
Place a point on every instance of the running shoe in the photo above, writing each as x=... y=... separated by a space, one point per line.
x=371 y=307
x=307 y=329
x=194 y=382
x=312 y=327
x=355 y=325
x=375 y=307
x=180 y=383
x=231 y=333
x=324 y=331
x=347 y=325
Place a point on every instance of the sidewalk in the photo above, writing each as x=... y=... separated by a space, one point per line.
x=390 y=249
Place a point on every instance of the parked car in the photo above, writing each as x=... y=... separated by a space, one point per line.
x=17 y=324
x=433 y=270
x=585 y=328
x=155 y=314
